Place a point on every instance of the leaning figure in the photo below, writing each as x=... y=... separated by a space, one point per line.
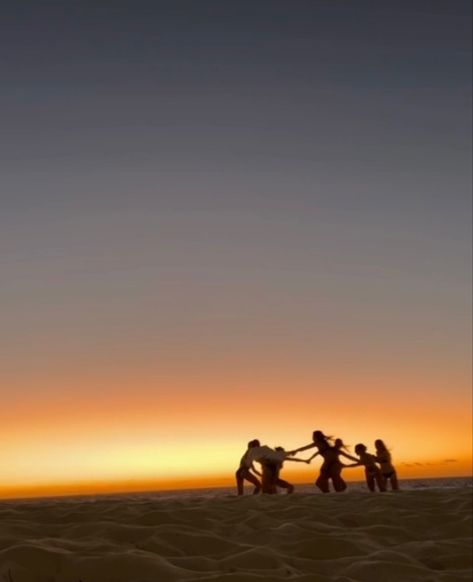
x=246 y=471
x=372 y=471
x=271 y=461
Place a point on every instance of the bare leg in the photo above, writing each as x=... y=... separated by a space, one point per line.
x=322 y=483
x=394 y=482
x=369 y=481
x=239 y=481
x=252 y=479
x=381 y=481
x=243 y=474
x=337 y=480
x=339 y=484
x=285 y=485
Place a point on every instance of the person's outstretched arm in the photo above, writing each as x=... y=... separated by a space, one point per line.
x=300 y=449
x=348 y=457
x=313 y=456
x=359 y=464
x=297 y=460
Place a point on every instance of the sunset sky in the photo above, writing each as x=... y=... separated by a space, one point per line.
x=231 y=220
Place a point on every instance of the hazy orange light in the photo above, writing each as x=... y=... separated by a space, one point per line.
x=158 y=426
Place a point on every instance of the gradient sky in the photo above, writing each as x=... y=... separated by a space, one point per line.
x=229 y=220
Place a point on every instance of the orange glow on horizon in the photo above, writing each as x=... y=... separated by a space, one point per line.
x=431 y=470
x=158 y=429
x=154 y=443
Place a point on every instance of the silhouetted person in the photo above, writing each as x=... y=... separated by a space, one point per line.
x=245 y=471
x=383 y=456
x=331 y=467
x=372 y=471
x=271 y=461
x=285 y=457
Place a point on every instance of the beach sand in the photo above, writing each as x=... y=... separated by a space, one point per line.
x=422 y=535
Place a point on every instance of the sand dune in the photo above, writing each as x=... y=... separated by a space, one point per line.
x=414 y=535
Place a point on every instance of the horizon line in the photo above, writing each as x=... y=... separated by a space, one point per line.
x=121 y=492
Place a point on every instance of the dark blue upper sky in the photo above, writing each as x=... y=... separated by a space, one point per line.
x=304 y=165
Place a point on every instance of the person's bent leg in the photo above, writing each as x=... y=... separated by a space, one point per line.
x=338 y=483
x=285 y=485
x=394 y=482
x=254 y=481
x=322 y=483
x=336 y=475
x=370 y=482
x=381 y=481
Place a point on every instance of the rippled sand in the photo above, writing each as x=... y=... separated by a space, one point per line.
x=413 y=535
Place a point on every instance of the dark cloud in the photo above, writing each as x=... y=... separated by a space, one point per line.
x=417 y=464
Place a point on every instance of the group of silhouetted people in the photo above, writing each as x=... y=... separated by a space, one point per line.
x=379 y=470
